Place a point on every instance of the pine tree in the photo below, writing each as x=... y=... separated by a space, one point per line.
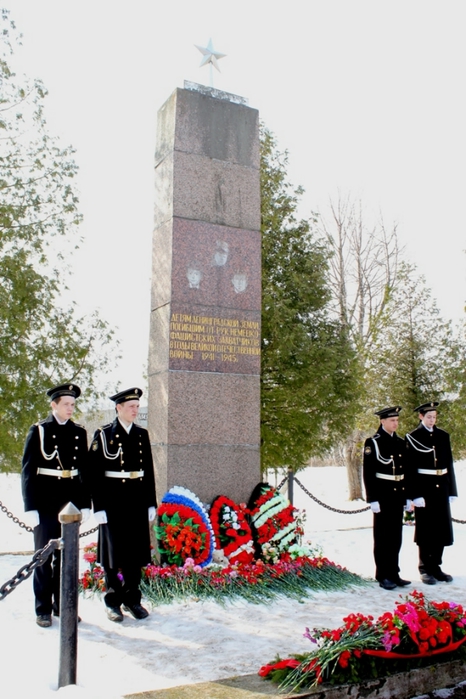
x=307 y=362
x=41 y=341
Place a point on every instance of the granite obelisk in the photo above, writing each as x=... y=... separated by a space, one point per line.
x=204 y=355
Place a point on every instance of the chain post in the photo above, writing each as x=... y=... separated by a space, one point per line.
x=70 y=518
x=290 y=483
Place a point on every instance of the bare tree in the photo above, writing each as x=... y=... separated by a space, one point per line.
x=363 y=273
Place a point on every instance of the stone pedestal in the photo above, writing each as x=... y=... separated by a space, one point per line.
x=204 y=355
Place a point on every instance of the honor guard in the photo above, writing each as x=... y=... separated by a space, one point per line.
x=123 y=494
x=54 y=459
x=384 y=481
x=432 y=488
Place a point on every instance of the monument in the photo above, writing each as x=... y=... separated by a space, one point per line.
x=204 y=355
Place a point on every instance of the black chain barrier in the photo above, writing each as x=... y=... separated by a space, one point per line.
x=27 y=570
x=21 y=524
x=91 y=531
x=332 y=509
x=282 y=483
x=17 y=521
x=344 y=512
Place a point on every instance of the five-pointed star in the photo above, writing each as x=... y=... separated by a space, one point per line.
x=210 y=56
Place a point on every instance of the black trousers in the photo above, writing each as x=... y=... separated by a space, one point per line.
x=388 y=536
x=122 y=591
x=46 y=580
x=430 y=559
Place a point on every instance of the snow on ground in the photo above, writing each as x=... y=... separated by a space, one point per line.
x=191 y=642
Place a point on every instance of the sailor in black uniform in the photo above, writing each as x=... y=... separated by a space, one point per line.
x=54 y=461
x=384 y=480
x=122 y=485
x=432 y=487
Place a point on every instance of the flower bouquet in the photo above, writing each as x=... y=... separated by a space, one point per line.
x=93 y=579
x=232 y=531
x=414 y=635
x=256 y=582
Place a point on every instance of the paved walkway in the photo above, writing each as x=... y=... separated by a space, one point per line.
x=244 y=687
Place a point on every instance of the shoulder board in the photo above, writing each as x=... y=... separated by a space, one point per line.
x=40 y=422
x=376 y=436
x=102 y=428
x=78 y=424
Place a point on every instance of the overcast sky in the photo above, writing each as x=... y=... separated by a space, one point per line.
x=367 y=97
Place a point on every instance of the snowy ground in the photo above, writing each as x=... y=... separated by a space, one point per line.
x=192 y=642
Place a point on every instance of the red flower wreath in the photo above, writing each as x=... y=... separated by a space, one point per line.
x=273 y=518
x=232 y=532
x=182 y=534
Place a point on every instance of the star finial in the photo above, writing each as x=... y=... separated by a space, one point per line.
x=210 y=56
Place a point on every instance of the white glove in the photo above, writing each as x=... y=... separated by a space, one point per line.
x=100 y=517
x=31 y=518
x=375 y=507
x=409 y=507
x=452 y=498
x=85 y=514
x=419 y=502
x=152 y=512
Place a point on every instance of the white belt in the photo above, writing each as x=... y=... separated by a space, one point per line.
x=124 y=474
x=59 y=473
x=432 y=471
x=388 y=477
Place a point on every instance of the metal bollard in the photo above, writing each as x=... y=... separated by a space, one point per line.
x=70 y=518
x=290 y=484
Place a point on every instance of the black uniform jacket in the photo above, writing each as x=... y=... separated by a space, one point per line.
x=56 y=447
x=125 y=540
x=384 y=456
x=431 y=451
